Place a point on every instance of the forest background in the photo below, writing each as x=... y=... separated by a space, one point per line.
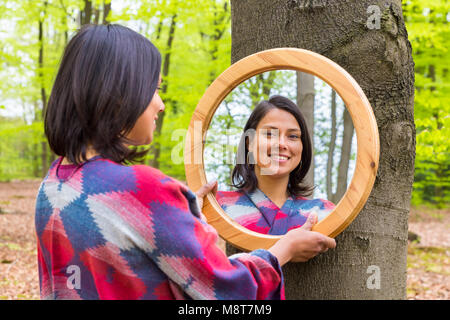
x=194 y=38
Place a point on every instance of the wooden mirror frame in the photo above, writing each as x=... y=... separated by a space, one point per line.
x=356 y=103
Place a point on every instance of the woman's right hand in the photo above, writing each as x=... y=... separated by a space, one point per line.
x=302 y=244
x=202 y=192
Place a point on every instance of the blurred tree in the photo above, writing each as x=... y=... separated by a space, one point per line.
x=305 y=101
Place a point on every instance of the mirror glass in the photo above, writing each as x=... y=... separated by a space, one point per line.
x=259 y=170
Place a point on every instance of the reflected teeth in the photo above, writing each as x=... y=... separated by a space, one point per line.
x=279 y=157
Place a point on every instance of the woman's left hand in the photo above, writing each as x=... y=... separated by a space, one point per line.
x=203 y=191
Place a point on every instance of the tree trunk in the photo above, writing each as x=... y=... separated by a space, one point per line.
x=331 y=147
x=305 y=101
x=380 y=61
x=438 y=191
x=259 y=87
x=106 y=10
x=85 y=15
x=44 y=147
x=344 y=162
x=219 y=27
x=96 y=17
x=156 y=148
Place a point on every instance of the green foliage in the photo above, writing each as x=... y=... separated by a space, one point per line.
x=428 y=27
x=19 y=157
x=199 y=51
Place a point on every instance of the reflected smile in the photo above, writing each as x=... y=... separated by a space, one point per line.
x=279 y=157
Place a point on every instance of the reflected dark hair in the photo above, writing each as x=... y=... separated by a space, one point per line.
x=107 y=78
x=243 y=176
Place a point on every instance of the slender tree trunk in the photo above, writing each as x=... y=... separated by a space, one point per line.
x=44 y=154
x=305 y=101
x=219 y=26
x=96 y=15
x=268 y=84
x=229 y=153
x=260 y=87
x=85 y=15
x=106 y=10
x=380 y=61
x=344 y=162
x=438 y=192
x=331 y=148
x=156 y=148
x=37 y=171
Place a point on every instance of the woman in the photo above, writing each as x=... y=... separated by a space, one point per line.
x=107 y=230
x=271 y=196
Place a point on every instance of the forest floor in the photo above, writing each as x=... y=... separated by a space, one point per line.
x=428 y=272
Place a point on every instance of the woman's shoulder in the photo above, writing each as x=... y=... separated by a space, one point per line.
x=152 y=177
x=146 y=184
x=150 y=174
x=142 y=181
x=154 y=185
x=114 y=172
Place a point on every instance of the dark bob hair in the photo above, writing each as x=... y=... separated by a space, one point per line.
x=243 y=176
x=107 y=78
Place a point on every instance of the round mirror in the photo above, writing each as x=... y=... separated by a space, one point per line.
x=251 y=191
x=276 y=130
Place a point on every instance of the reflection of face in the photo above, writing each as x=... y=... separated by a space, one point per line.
x=142 y=132
x=279 y=146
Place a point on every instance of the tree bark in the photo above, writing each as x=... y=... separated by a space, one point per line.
x=380 y=61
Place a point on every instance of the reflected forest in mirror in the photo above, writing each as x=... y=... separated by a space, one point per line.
x=334 y=142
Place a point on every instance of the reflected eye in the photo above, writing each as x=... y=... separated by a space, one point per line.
x=270 y=133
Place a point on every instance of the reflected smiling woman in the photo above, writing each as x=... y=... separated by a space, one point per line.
x=273 y=158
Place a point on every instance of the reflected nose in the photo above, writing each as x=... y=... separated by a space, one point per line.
x=278 y=146
x=282 y=142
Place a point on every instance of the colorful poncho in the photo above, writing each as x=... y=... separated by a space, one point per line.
x=255 y=211
x=108 y=231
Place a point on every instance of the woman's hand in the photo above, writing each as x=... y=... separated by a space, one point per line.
x=302 y=244
x=203 y=191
